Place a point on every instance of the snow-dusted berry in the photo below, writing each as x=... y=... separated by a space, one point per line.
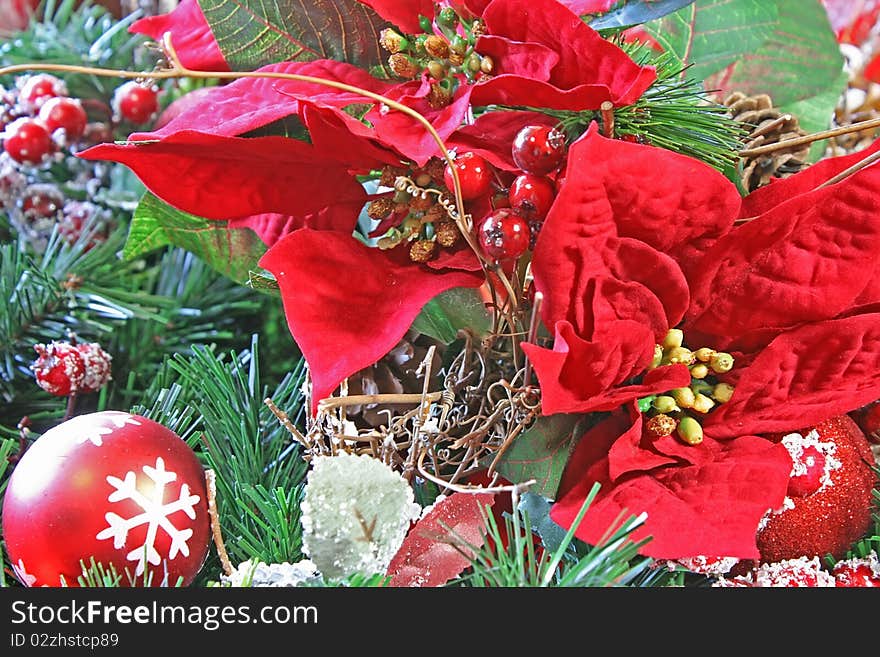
x=59 y=368
x=96 y=365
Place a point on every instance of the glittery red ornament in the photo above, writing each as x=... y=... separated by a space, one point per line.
x=838 y=513
x=790 y=573
x=64 y=368
x=59 y=368
x=113 y=486
x=863 y=572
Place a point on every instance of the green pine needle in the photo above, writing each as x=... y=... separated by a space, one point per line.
x=613 y=562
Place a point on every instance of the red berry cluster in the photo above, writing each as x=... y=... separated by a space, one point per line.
x=38 y=117
x=67 y=368
x=511 y=228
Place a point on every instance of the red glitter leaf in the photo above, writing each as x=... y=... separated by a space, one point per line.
x=804 y=376
x=710 y=508
x=807 y=259
x=192 y=38
x=427 y=556
x=344 y=328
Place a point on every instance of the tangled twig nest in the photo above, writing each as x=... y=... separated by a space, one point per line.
x=445 y=435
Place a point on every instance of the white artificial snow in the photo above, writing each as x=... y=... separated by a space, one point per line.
x=355 y=514
x=261 y=574
x=155 y=515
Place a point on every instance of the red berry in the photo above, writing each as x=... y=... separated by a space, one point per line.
x=27 y=141
x=858 y=572
x=59 y=368
x=135 y=103
x=504 y=234
x=96 y=364
x=474 y=175
x=38 y=89
x=532 y=196
x=41 y=201
x=538 y=149
x=76 y=216
x=64 y=114
x=868 y=419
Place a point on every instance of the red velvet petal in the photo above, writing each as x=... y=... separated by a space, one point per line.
x=530 y=60
x=578 y=376
x=409 y=136
x=427 y=556
x=674 y=203
x=520 y=90
x=274 y=174
x=343 y=323
x=781 y=190
x=712 y=508
x=460 y=257
x=492 y=134
x=403 y=13
x=807 y=259
x=803 y=377
x=270 y=226
x=190 y=34
x=251 y=103
x=343 y=138
x=630 y=454
x=585 y=58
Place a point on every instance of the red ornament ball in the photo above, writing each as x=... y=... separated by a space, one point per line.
x=59 y=368
x=27 y=141
x=828 y=508
x=532 y=196
x=504 y=234
x=474 y=175
x=854 y=573
x=135 y=103
x=64 y=114
x=538 y=149
x=38 y=89
x=117 y=487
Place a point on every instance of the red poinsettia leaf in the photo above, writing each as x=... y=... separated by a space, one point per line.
x=459 y=257
x=492 y=134
x=805 y=260
x=345 y=323
x=872 y=69
x=530 y=60
x=403 y=13
x=271 y=226
x=871 y=293
x=711 y=508
x=280 y=175
x=190 y=35
x=345 y=139
x=431 y=554
x=781 y=190
x=628 y=454
x=590 y=69
x=803 y=377
x=409 y=136
x=578 y=376
x=681 y=218
x=251 y=103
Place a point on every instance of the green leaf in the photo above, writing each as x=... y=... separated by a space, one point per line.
x=537 y=507
x=782 y=48
x=458 y=308
x=635 y=12
x=233 y=252
x=541 y=453
x=710 y=35
x=253 y=33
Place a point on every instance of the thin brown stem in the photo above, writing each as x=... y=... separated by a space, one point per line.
x=71 y=407
x=606 y=109
x=809 y=139
x=533 y=332
x=284 y=419
x=356 y=400
x=211 y=482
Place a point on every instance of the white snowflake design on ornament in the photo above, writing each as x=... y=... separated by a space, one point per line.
x=155 y=515
x=22 y=574
x=87 y=431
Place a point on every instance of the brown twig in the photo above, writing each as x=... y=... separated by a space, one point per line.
x=386 y=398
x=211 y=481
x=809 y=139
x=606 y=109
x=284 y=419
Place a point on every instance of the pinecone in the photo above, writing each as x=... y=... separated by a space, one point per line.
x=767 y=125
x=394 y=374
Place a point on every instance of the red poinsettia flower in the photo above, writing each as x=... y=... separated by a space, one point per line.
x=640 y=239
x=546 y=56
